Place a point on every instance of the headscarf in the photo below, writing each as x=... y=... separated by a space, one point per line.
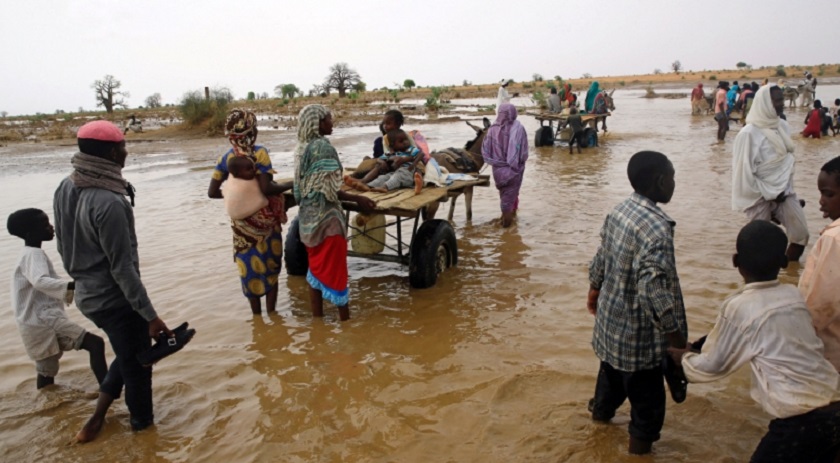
x=569 y=96
x=594 y=89
x=763 y=115
x=323 y=176
x=241 y=130
x=309 y=121
x=508 y=141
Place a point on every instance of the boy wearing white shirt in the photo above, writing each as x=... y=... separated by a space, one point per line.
x=37 y=297
x=767 y=325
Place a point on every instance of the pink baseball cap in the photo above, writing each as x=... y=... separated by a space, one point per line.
x=101 y=130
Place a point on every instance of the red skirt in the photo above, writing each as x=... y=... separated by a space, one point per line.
x=328 y=262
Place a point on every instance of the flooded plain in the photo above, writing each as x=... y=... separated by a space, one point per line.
x=492 y=364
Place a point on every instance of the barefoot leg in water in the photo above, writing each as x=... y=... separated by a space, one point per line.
x=94 y=424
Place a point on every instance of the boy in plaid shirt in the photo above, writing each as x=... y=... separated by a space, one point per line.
x=637 y=302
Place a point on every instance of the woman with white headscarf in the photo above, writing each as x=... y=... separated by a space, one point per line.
x=505 y=148
x=763 y=167
x=318 y=181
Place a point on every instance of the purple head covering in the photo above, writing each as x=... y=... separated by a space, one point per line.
x=506 y=144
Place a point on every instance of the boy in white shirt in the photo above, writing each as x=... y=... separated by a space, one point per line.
x=767 y=325
x=38 y=296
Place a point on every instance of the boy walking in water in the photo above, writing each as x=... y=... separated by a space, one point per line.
x=637 y=302
x=766 y=324
x=38 y=296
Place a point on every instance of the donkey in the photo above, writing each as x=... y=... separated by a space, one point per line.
x=456 y=160
x=791 y=94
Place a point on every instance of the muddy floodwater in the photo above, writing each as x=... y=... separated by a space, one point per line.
x=492 y=364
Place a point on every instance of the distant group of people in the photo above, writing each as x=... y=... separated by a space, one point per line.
x=790 y=337
x=818 y=122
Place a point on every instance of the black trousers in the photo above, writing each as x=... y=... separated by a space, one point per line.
x=646 y=391
x=810 y=437
x=129 y=335
x=576 y=137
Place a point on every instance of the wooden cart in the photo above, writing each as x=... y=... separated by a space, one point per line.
x=430 y=249
x=589 y=120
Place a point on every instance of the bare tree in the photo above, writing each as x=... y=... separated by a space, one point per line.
x=108 y=93
x=341 y=78
x=3 y=114
x=319 y=90
x=676 y=66
x=153 y=101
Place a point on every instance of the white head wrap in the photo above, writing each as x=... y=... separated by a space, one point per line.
x=763 y=115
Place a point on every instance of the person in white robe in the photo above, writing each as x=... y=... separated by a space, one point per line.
x=763 y=167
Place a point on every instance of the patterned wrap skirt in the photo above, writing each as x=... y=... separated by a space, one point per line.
x=258 y=248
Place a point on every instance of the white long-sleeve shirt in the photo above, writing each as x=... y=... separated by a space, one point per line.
x=37 y=298
x=767 y=325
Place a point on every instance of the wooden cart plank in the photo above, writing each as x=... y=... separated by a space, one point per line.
x=404 y=202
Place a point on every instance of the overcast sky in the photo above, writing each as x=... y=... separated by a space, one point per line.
x=52 y=51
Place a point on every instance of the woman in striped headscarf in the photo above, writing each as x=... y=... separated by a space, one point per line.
x=318 y=181
x=257 y=242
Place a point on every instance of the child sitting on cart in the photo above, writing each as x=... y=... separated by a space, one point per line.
x=403 y=168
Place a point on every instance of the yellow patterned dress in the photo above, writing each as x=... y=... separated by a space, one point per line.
x=257 y=240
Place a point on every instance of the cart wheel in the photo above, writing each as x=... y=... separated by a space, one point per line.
x=294 y=252
x=433 y=250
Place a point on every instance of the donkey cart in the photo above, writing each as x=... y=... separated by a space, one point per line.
x=431 y=247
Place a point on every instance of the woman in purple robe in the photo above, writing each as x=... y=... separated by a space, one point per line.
x=506 y=149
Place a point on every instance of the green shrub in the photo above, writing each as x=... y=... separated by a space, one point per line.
x=622 y=83
x=196 y=109
x=712 y=77
x=539 y=99
x=433 y=102
x=780 y=71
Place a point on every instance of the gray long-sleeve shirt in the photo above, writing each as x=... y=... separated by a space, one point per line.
x=96 y=239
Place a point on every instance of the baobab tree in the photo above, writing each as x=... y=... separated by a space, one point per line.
x=341 y=78
x=108 y=93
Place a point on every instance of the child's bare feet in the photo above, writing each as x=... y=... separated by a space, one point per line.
x=355 y=184
x=418 y=183
x=90 y=430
